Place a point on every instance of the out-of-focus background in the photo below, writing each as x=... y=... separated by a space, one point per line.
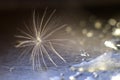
x=90 y=24
x=91 y=21
x=77 y=13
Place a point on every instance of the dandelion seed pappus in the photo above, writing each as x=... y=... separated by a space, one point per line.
x=36 y=40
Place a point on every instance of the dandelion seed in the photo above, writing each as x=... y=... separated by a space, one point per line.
x=37 y=41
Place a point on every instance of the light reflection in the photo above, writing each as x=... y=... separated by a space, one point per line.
x=116 y=32
x=91 y=69
x=112 y=22
x=84 y=31
x=68 y=29
x=90 y=34
x=110 y=45
x=98 y=25
x=116 y=77
x=81 y=42
x=107 y=28
x=118 y=25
